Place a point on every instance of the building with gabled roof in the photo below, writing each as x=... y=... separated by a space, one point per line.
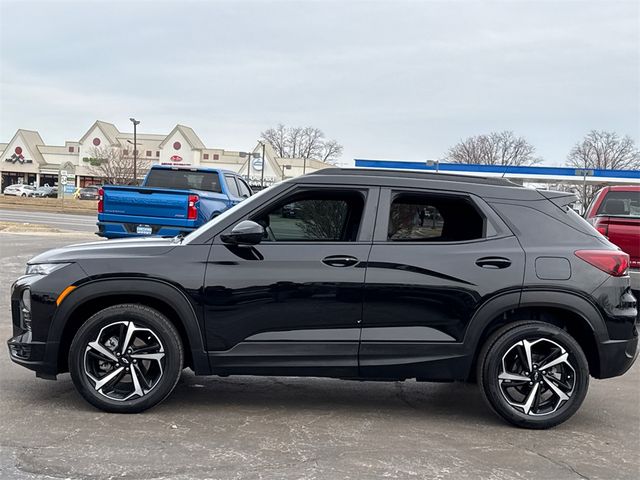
x=27 y=159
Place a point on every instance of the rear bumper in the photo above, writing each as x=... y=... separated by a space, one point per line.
x=617 y=356
x=634 y=275
x=126 y=230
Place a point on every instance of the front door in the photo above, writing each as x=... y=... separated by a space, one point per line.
x=293 y=303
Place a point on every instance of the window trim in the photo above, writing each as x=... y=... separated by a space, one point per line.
x=492 y=228
x=228 y=178
x=367 y=222
x=240 y=180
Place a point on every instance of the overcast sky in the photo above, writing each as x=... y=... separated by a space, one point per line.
x=395 y=80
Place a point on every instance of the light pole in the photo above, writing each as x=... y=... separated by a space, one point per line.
x=249 y=156
x=262 y=170
x=431 y=163
x=135 y=149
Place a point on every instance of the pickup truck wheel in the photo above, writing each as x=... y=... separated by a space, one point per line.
x=126 y=358
x=533 y=374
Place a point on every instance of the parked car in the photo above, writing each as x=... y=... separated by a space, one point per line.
x=89 y=193
x=511 y=288
x=19 y=190
x=171 y=201
x=615 y=212
x=45 y=192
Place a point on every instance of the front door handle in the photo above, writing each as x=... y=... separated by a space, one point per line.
x=340 y=261
x=493 y=262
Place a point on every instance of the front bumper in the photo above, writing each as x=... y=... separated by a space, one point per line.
x=30 y=354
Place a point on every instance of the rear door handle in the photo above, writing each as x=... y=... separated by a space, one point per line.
x=340 y=261
x=493 y=262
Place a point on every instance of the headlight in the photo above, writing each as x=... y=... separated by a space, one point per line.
x=26 y=299
x=44 y=268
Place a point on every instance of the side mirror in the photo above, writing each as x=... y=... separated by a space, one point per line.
x=244 y=233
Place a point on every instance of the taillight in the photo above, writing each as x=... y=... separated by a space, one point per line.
x=100 y=200
x=609 y=261
x=192 y=210
x=602 y=226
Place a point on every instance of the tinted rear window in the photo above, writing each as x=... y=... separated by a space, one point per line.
x=620 y=204
x=183 y=180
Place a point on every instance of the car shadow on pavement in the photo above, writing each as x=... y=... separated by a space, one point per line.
x=304 y=395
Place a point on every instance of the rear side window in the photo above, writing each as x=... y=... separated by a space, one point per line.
x=183 y=180
x=433 y=218
x=620 y=204
x=231 y=185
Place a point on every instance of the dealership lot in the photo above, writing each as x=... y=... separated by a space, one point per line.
x=297 y=428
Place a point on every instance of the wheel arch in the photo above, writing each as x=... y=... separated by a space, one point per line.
x=569 y=311
x=96 y=295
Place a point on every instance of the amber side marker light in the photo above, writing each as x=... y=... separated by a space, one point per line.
x=64 y=294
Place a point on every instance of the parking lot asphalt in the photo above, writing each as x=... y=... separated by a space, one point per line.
x=290 y=428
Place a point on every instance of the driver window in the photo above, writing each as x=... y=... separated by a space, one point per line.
x=315 y=217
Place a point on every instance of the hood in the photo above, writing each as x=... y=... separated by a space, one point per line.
x=128 y=247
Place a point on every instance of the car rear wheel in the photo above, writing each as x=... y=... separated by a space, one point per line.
x=533 y=374
x=126 y=358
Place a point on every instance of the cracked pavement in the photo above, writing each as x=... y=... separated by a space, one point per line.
x=290 y=428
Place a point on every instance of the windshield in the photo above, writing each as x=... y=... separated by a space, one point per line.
x=180 y=179
x=254 y=200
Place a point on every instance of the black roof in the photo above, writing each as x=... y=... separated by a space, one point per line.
x=390 y=172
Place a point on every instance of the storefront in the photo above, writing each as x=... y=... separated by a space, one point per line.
x=86 y=181
x=9 y=178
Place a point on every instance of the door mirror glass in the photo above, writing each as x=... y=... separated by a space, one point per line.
x=246 y=232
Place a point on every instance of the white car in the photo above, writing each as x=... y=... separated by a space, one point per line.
x=19 y=190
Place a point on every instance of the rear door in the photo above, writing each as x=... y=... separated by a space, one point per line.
x=436 y=257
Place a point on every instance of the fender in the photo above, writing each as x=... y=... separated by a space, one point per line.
x=158 y=289
x=568 y=300
x=561 y=299
x=491 y=309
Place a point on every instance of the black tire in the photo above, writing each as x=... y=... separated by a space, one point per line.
x=503 y=343
x=143 y=317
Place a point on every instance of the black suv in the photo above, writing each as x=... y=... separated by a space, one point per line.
x=380 y=274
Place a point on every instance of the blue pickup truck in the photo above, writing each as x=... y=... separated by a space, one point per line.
x=170 y=201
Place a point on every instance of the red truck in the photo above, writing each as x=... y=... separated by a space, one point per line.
x=615 y=213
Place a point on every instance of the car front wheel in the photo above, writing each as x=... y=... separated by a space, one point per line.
x=126 y=358
x=533 y=374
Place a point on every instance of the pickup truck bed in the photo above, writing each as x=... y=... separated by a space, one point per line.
x=156 y=208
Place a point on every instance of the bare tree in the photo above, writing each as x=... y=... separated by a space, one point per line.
x=496 y=148
x=114 y=165
x=294 y=137
x=278 y=138
x=302 y=142
x=601 y=150
x=332 y=151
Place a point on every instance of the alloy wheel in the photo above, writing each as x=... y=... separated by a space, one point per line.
x=125 y=361
x=537 y=377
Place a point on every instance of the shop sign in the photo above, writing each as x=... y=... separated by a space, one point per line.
x=17 y=158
